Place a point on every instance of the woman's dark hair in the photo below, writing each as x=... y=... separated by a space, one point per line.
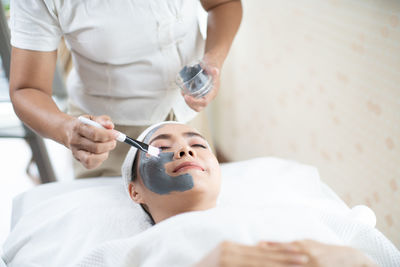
x=134 y=167
x=133 y=178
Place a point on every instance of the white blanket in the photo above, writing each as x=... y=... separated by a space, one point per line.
x=265 y=198
x=184 y=239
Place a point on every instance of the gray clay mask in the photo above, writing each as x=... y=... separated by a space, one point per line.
x=154 y=175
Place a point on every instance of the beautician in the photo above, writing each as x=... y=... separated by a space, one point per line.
x=126 y=56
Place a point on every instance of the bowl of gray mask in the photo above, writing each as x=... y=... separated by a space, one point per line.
x=193 y=80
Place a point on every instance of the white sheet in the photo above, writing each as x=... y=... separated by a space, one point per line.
x=184 y=239
x=60 y=224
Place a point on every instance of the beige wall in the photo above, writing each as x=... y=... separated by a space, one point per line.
x=319 y=82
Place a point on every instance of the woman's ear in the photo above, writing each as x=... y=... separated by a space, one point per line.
x=135 y=194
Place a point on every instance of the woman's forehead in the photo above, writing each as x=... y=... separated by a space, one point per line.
x=172 y=130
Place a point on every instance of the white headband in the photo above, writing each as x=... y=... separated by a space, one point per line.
x=126 y=169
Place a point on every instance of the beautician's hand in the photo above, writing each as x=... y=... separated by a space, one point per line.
x=91 y=145
x=198 y=104
x=233 y=254
x=323 y=255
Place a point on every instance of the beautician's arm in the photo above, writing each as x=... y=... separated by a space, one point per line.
x=31 y=78
x=224 y=17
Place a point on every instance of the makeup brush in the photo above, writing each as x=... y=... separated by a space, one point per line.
x=154 y=151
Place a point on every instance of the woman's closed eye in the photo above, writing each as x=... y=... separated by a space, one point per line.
x=199 y=145
x=194 y=145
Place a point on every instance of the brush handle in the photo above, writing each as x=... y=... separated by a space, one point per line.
x=121 y=137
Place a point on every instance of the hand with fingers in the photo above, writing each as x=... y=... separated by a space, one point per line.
x=324 y=255
x=307 y=253
x=198 y=104
x=90 y=145
x=263 y=254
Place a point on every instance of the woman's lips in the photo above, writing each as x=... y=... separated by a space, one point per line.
x=187 y=165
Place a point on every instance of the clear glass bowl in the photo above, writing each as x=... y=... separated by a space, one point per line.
x=194 y=80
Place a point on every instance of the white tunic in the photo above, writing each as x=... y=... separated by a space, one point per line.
x=126 y=54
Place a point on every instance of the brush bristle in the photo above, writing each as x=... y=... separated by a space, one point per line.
x=154 y=151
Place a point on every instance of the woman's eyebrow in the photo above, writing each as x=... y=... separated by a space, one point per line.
x=169 y=136
x=161 y=136
x=191 y=134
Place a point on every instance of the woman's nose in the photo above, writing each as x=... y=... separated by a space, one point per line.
x=185 y=151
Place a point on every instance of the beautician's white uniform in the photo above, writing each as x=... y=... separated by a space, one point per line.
x=126 y=54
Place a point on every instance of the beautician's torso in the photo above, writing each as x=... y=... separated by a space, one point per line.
x=126 y=54
x=132 y=52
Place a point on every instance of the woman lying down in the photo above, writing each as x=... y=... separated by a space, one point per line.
x=179 y=190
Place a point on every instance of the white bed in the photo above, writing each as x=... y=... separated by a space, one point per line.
x=92 y=222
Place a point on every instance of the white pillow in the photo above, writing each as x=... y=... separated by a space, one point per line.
x=59 y=222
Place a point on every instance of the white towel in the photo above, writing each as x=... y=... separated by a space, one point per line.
x=184 y=239
x=78 y=226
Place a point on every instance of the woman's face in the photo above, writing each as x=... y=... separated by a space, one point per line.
x=185 y=168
